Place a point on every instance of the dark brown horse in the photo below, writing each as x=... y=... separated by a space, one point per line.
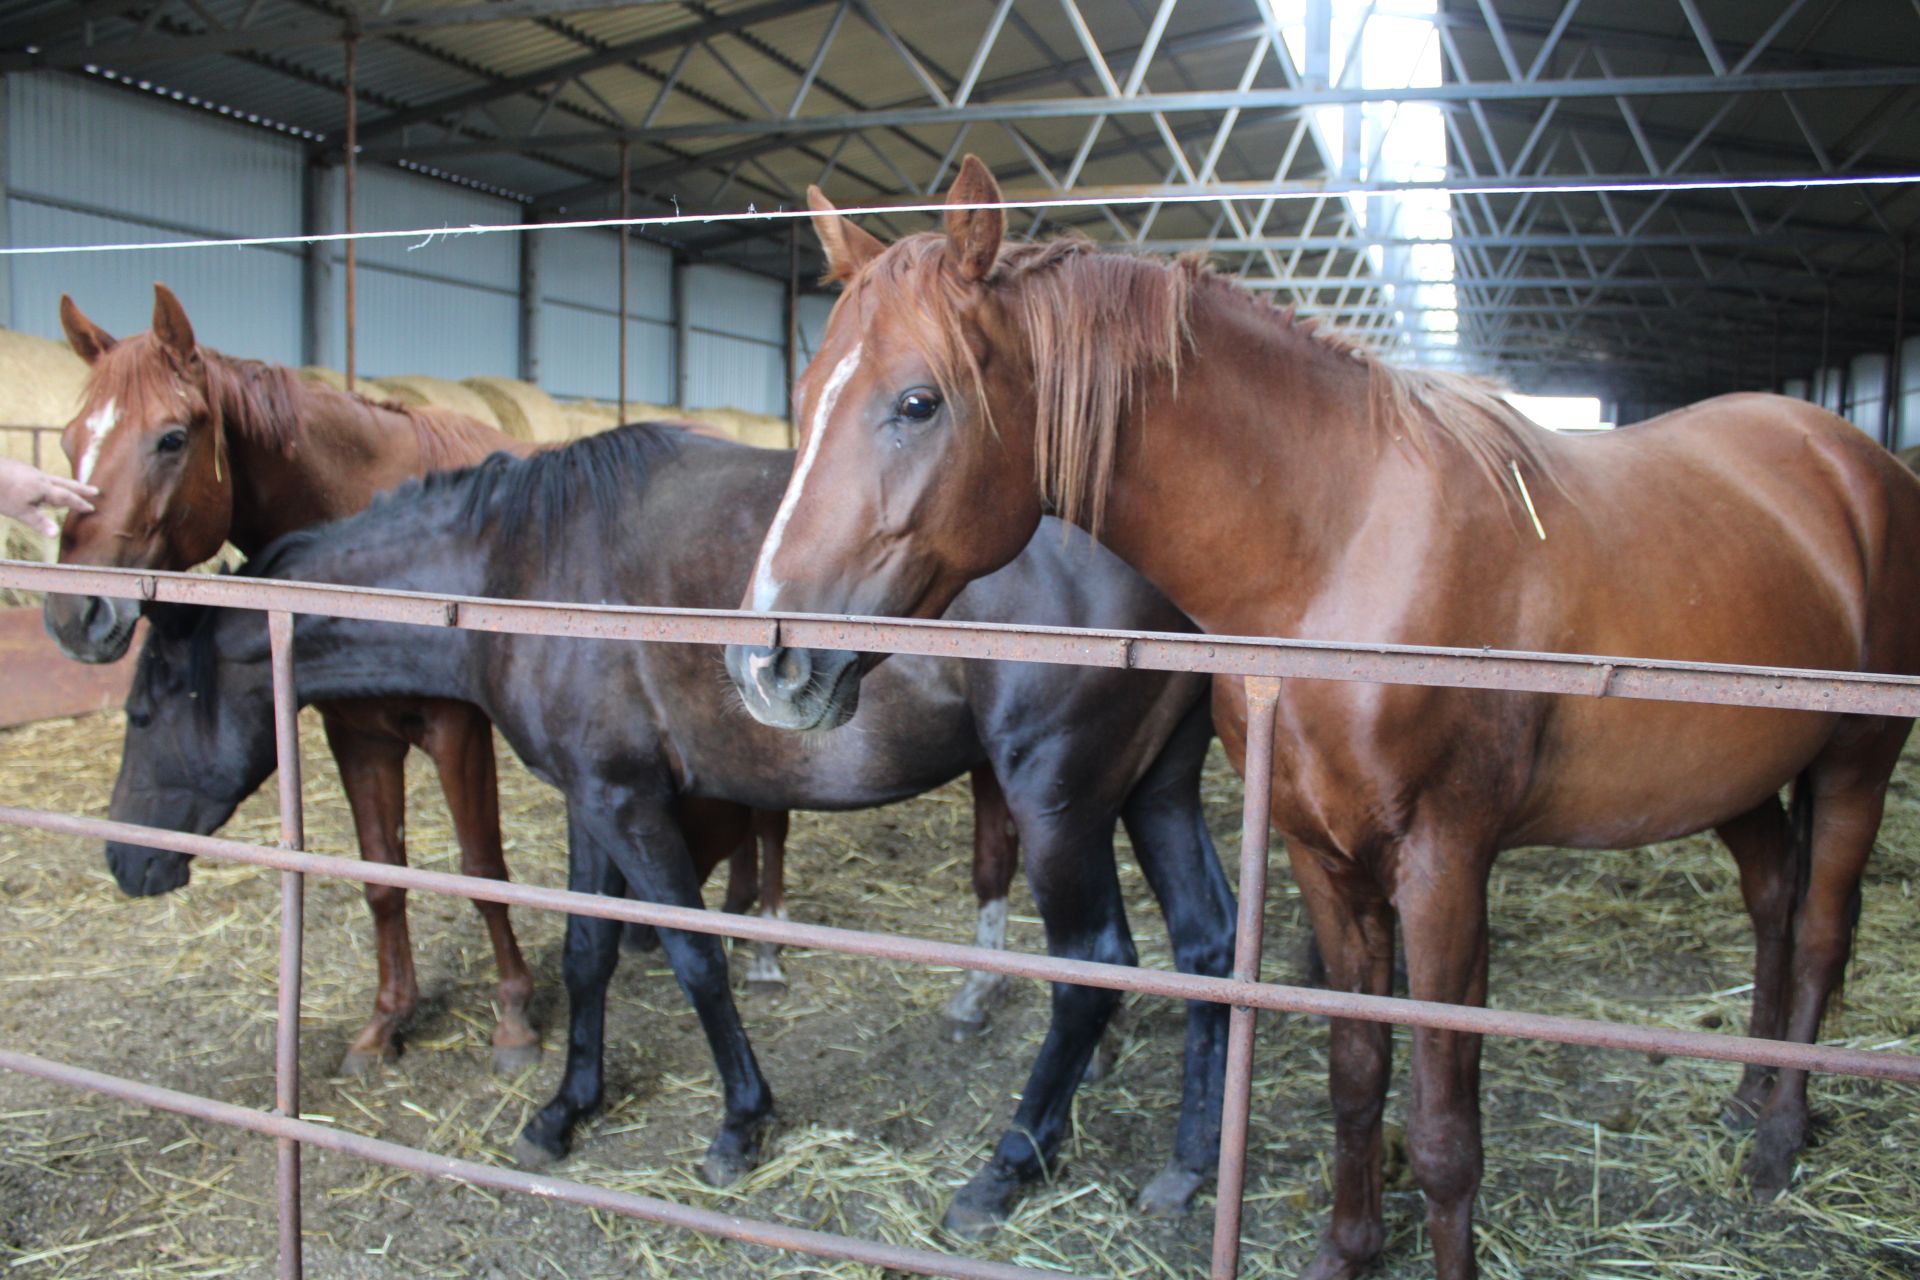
x=631 y=732
x=1273 y=482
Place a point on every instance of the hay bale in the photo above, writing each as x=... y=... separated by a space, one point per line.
x=42 y=384
x=419 y=390
x=748 y=428
x=324 y=376
x=523 y=410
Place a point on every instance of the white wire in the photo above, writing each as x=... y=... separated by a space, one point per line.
x=426 y=235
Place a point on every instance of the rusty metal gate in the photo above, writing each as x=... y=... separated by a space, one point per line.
x=1262 y=662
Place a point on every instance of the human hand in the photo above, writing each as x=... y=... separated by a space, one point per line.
x=25 y=491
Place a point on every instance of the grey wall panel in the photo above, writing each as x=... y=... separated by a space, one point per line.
x=1866 y=392
x=388 y=200
x=582 y=267
x=1909 y=433
x=579 y=350
x=242 y=301
x=1796 y=387
x=723 y=300
x=414 y=325
x=89 y=146
x=741 y=373
x=814 y=310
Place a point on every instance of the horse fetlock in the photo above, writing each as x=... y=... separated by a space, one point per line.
x=548 y=1136
x=1777 y=1141
x=1346 y=1251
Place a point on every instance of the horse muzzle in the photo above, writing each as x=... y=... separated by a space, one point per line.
x=804 y=690
x=92 y=629
x=147 y=873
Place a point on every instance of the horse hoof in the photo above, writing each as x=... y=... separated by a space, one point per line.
x=359 y=1061
x=1768 y=1175
x=1170 y=1192
x=636 y=938
x=980 y=1207
x=766 y=988
x=734 y=1155
x=961 y=1030
x=534 y=1154
x=512 y=1059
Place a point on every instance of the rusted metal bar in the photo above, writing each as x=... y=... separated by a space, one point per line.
x=286 y=1038
x=706 y=1221
x=1249 y=931
x=352 y=45
x=1580 y=675
x=1628 y=1037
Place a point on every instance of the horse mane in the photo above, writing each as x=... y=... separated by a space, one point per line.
x=512 y=497
x=192 y=623
x=1098 y=324
x=271 y=404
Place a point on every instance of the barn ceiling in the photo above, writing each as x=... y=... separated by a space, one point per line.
x=1265 y=139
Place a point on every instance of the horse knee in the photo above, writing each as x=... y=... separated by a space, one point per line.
x=384 y=900
x=1212 y=956
x=1445 y=1155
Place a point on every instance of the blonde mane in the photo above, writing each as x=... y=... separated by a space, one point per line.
x=1097 y=325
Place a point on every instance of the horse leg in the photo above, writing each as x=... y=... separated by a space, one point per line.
x=1848 y=794
x=1762 y=847
x=1353 y=924
x=770 y=832
x=1170 y=839
x=1072 y=876
x=373 y=775
x=1441 y=897
x=743 y=874
x=587 y=964
x=637 y=830
x=460 y=740
x=996 y=856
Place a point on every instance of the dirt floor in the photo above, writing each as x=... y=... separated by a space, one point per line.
x=1599 y=1164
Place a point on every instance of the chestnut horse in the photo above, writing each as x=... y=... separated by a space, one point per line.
x=191 y=449
x=1274 y=482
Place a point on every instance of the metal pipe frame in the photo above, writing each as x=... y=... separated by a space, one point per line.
x=1243 y=991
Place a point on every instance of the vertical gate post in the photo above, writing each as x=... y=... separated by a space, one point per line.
x=353 y=169
x=1262 y=693
x=626 y=212
x=286 y=1055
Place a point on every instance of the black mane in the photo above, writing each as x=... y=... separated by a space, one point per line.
x=193 y=624
x=596 y=474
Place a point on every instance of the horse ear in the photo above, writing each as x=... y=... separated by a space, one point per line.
x=170 y=324
x=88 y=340
x=848 y=247
x=974 y=235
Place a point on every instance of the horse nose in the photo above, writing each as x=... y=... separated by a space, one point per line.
x=781 y=673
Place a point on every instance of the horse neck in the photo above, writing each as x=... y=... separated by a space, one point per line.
x=1264 y=459
x=418 y=545
x=330 y=462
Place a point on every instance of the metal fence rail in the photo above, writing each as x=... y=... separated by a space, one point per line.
x=1263 y=662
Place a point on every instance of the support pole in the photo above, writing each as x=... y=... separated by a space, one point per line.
x=682 y=334
x=626 y=207
x=1262 y=693
x=286 y=1056
x=353 y=145
x=1890 y=408
x=530 y=252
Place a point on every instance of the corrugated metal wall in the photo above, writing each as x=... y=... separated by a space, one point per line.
x=85 y=164
x=579 y=297
x=736 y=340
x=91 y=163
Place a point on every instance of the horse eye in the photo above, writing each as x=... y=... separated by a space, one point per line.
x=918 y=405
x=173 y=441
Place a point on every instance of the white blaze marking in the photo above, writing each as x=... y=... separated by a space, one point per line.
x=765 y=588
x=100 y=425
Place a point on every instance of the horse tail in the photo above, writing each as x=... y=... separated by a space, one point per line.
x=1800 y=834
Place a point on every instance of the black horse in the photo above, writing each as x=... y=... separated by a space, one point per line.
x=648 y=515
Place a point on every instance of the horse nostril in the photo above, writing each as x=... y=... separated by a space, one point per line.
x=792 y=671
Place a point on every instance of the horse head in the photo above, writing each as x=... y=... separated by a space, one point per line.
x=150 y=436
